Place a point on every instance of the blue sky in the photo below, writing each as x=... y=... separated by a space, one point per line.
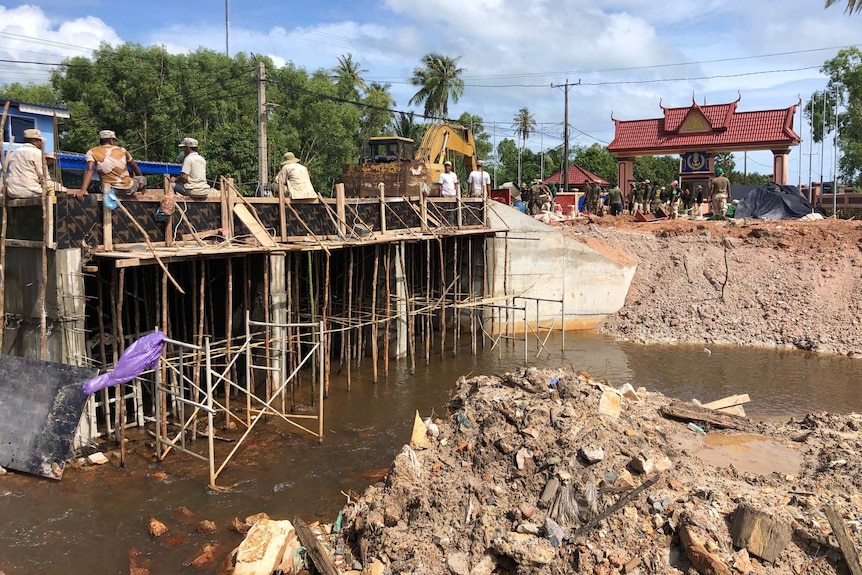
x=626 y=53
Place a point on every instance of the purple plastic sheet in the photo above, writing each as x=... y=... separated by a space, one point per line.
x=139 y=357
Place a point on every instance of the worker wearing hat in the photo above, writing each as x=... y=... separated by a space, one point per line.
x=719 y=194
x=113 y=163
x=26 y=176
x=449 y=184
x=293 y=179
x=193 y=179
x=479 y=181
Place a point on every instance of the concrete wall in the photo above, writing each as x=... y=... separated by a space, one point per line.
x=543 y=262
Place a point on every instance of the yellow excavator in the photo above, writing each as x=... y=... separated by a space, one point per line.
x=404 y=171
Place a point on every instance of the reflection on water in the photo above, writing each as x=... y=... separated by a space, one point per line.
x=47 y=524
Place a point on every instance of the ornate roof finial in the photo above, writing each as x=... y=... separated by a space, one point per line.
x=693 y=103
x=739 y=96
x=660 y=100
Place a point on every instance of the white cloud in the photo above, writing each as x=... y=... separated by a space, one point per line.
x=27 y=34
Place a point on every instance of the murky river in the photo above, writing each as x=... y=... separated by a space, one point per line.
x=87 y=522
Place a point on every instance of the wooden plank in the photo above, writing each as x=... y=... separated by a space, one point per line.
x=200 y=235
x=760 y=533
x=736 y=410
x=691 y=412
x=845 y=542
x=257 y=230
x=318 y=554
x=728 y=401
x=13 y=243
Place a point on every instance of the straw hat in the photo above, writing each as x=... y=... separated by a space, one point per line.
x=289 y=158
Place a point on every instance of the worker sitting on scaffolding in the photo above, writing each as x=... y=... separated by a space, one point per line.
x=293 y=179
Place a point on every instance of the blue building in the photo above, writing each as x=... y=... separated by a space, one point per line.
x=25 y=116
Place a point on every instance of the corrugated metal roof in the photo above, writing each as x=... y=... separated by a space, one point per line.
x=730 y=129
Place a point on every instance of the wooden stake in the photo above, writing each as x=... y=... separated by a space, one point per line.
x=845 y=542
x=163 y=396
x=43 y=284
x=149 y=245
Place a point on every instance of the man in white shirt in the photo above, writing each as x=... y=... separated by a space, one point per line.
x=24 y=170
x=448 y=181
x=479 y=181
x=193 y=181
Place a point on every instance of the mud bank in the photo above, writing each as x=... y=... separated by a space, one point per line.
x=550 y=472
x=788 y=284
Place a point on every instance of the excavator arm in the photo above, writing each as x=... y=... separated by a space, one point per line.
x=442 y=139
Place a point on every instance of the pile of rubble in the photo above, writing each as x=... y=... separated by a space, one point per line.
x=553 y=472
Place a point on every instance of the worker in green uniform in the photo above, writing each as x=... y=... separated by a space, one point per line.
x=719 y=194
x=615 y=199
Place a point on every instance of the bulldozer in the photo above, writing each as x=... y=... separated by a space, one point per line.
x=402 y=169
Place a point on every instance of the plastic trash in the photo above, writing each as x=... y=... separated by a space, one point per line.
x=554 y=382
x=696 y=428
x=111 y=200
x=139 y=357
x=338 y=521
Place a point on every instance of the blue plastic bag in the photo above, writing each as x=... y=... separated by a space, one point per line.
x=139 y=357
x=110 y=199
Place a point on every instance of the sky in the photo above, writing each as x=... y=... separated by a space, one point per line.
x=625 y=57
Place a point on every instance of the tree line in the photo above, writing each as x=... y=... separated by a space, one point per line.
x=153 y=99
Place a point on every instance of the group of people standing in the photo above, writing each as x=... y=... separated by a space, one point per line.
x=647 y=197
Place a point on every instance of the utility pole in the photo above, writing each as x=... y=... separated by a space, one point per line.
x=566 y=87
x=227 y=28
x=835 y=160
x=262 y=148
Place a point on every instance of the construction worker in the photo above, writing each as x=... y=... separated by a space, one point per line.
x=113 y=163
x=540 y=195
x=25 y=172
x=593 y=193
x=615 y=199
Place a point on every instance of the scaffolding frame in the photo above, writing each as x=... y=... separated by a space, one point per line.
x=175 y=385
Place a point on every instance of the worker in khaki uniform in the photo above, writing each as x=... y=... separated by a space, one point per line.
x=719 y=194
x=294 y=177
x=25 y=173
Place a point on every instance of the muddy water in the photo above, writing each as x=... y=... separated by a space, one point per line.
x=87 y=522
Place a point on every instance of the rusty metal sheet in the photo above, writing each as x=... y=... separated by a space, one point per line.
x=40 y=407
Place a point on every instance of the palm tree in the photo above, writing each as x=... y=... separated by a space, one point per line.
x=852 y=5
x=439 y=78
x=524 y=124
x=378 y=112
x=405 y=126
x=348 y=73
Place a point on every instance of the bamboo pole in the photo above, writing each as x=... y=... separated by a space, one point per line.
x=442 y=301
x=346 y=345
x=324 y=337
x=456 y=317
x=411 y=327
x=429 y=316
x=163 y=399
x=387 y=270
x=200 y=340
x=266 y=317
x=361 y=301
x=470 y=297
x=374 y=314
x=228 y=337
x=121 y=389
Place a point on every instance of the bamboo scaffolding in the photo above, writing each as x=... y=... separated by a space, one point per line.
x=374 y=313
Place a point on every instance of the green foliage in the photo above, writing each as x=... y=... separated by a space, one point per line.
x=725 y=161
x=405 y=126
x=598 y=160
x=844 y=92
x=484 y=147
x=660 y=169
x=438 y=79
x=32 y=93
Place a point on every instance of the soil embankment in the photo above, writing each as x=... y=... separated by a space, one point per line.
x=793 y=284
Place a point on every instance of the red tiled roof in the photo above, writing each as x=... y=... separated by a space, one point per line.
x=730 y=129
x=578 y=176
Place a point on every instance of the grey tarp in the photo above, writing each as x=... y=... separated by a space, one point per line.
x=773 y=202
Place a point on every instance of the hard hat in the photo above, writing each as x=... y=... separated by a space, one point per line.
x=719 y=171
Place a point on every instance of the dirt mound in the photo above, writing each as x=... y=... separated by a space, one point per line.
x=551 y=472
x=793 y=284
